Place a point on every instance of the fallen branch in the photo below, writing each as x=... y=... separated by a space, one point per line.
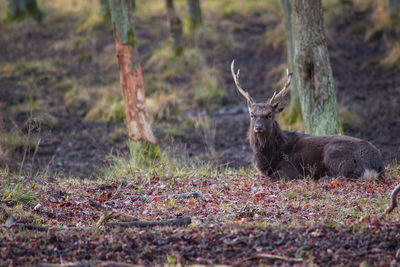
x=88 y=263
x=163 y=198
x=11 y=221
x=172 y=222
x=110 y=213
x=273 y=257
x=393 y=201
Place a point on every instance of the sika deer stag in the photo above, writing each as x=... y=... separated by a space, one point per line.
x=293 y=155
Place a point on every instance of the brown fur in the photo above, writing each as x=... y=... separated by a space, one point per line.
x=280 y=153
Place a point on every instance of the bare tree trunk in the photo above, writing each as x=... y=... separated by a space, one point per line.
x=295 y=108
x=105 y=8
x=394 y=8
x=21 y=9
x=130 y=70
x=175 y=27
x=313 y=70
x=194 y=13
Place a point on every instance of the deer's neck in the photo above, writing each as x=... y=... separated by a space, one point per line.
x=268 y=150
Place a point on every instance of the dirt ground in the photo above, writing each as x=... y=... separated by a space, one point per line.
x=322 y=246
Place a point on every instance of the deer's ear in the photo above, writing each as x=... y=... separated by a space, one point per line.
x=278 y=107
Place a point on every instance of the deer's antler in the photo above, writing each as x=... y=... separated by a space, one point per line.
x=236 y=78
x=277 y=97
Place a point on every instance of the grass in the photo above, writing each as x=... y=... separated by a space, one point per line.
x=166 y=164
x=298 y=203
x=167 y=104
x=109 y=105
x=392 y=59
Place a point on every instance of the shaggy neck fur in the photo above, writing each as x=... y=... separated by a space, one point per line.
x=268 y=150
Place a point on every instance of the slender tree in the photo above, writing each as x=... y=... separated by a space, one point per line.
x=105 y=8
x=175 y=27
x=194 y=13
x=21 y=9
x=312 y=69
x=294 y=94
x=394 y=8
x=131 y=77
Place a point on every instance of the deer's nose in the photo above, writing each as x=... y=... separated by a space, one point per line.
x=258 y=127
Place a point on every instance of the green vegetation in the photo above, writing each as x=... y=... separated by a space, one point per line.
x=21 y=9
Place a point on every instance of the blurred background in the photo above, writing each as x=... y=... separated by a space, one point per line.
x=61 y=108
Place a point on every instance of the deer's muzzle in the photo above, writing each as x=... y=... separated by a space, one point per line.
x=258 y=128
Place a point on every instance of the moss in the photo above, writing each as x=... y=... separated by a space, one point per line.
x=291 y=119
x=295 y=112
x=132 y=40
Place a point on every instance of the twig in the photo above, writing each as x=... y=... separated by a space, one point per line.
x=11 y=221
x=393 y=201
x=109 y=213
x=273 y=257
x=183 y=195
x=88 y=263
x=172 y=222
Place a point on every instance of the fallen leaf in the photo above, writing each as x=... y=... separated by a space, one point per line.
x=33 y=244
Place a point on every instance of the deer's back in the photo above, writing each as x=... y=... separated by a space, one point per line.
x=335 y=156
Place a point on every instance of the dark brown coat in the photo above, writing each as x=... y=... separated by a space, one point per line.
x=293 y=155
x=281 y=154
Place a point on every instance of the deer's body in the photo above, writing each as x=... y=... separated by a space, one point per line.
x=293 y=155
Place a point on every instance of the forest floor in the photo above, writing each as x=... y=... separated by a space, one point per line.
x=60 y=156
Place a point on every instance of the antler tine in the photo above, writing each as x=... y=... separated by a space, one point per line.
x=236 y=79
x=285 y=89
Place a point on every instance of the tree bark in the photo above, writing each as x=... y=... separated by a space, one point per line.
x=105 y=8
x=175 y=27
x=131 y=77
x=394 y=8
x=194 y=13
x=312 y=69
x=295 y=109
x=21 y=9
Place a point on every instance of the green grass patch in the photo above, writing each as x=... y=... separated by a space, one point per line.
x=109 y=106
x=13 y=140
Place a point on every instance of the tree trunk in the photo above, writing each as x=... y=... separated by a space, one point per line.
x=312 y=69
x=105 y=8
x=21 y=9
x=394 y=8
x=295 y=109
x=130 y=72
x=175 y=27
x=194 y=13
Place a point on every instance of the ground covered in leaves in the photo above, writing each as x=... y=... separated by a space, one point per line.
x=237 y=219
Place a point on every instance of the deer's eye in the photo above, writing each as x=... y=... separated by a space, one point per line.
x=252 y=116
x=268 y=116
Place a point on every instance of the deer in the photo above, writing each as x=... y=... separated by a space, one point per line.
x=287 y=154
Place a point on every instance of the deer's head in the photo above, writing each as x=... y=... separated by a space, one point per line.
x=262 y=115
